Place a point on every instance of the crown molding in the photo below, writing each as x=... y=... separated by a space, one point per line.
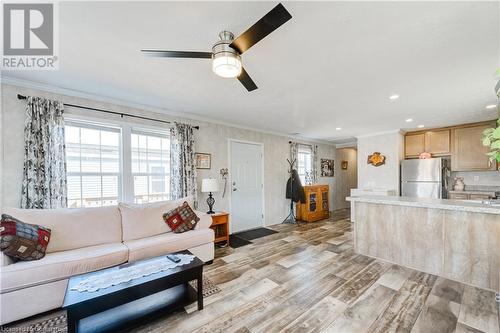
x=352 y=144
x=380 y=133
x=134 y=105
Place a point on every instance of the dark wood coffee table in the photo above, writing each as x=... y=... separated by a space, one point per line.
x=131 y=303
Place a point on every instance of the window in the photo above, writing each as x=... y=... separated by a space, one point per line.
x=304 y=153
x=93 y=164
x=150 y=165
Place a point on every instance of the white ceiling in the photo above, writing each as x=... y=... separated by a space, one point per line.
x=334 y=64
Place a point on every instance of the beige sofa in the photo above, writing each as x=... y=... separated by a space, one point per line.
x=89 y=239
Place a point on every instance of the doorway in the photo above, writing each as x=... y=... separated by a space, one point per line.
x=247 y=185
x=347 y=175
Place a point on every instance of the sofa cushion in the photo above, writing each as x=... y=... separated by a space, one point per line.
x=21 y=240
x=167 y=243
x=61 y=265
x=205 y=220
x=5 y=260
x=181 y=219
x=73 y=228
x=145 y=220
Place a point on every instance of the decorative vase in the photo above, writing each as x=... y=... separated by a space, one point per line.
x=459 y=184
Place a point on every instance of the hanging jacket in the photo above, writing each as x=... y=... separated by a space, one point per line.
x=294 y=190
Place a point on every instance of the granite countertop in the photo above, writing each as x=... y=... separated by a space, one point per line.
x=456 y=205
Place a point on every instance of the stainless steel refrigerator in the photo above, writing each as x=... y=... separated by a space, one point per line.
x=425 y=178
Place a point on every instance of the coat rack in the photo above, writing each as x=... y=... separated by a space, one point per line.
x=291 y=216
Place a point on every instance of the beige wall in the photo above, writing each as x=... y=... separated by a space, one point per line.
x=211 y=138
x=1 y=154
x=345 y=179
x=386 y=176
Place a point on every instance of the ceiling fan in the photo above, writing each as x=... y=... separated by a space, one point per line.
x=226 y=53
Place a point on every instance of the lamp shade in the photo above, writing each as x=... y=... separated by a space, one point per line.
x=209 y=185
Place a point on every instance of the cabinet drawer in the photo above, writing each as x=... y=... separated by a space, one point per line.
x=459 y=196
x=479 y=197
x=220 y=219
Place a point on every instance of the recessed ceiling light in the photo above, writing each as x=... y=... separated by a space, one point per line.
x=420 y=126
x=491 y=106
x=393 y=97
x=338 y=128
x=409 y=120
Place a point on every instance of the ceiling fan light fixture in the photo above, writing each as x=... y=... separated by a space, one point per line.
x=226 y=61
x=226 y=64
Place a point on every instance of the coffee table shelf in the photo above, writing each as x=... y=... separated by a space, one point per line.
x=131 y=303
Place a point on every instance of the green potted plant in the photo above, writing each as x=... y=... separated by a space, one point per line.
x=491 y=139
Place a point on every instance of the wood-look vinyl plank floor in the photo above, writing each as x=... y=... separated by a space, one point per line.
x=308 y=278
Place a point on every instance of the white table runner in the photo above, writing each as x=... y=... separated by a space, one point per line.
x=127 y=274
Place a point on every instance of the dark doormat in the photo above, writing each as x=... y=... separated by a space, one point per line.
x=255 y=233
x=235 y=241
x=243 y=238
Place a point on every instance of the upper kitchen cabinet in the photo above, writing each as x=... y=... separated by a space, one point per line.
x=414 y=144
x=436 y=142
x=469 y=154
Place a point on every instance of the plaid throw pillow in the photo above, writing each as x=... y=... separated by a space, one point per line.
x=181 y=219
x=22 y=241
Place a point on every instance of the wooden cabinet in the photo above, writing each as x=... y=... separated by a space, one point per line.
x=463 y=143
x=414 y=144
x=317 y=206
x=436 y=142
x=220 y=226
x=469 y=154
x=470 y=196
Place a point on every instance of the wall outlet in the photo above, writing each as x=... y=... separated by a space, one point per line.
x=476 y=179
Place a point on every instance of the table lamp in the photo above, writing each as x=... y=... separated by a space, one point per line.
x=210 y=185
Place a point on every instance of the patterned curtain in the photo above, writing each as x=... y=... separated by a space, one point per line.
x=182 y=162
x=315 y=166
x=294 y=149
x=44 y=175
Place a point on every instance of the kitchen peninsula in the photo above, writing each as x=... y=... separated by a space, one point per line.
x=454 y=239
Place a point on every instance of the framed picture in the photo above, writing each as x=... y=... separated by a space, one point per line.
x=327 y=167
x=203 y=160
x=344 y=165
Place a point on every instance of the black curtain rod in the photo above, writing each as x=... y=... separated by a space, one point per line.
x=19 y=96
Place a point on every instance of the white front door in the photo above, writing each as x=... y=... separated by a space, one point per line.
x=246 y=185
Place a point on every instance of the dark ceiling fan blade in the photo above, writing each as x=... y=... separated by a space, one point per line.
x=263 y=27
x=177 y=54
x=246 y=80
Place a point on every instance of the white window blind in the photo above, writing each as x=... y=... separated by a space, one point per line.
x=150 y=165
x=304 y=153
x=93 y=155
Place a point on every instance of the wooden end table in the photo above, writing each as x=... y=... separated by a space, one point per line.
x=220 y=226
